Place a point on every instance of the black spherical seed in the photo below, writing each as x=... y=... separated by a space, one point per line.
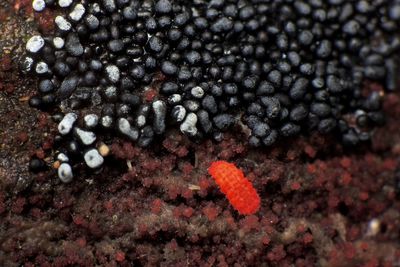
x=169 y=88
x=223 y=121
x=298 y=113
x=320 y=109
x=163 y=6
x=289 y=129
x=272 y=105
x=35 y=102
x=155 y=44
x=299 y=88
x=334 y=84
x=46 y=86
x=115 y=45
x=137 y=72
x=36 y=165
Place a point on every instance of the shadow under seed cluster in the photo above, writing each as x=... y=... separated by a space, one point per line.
x=278 y=68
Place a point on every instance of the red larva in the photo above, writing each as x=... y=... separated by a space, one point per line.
x=239 y=191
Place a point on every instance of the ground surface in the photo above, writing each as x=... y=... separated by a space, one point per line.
x=321 y=205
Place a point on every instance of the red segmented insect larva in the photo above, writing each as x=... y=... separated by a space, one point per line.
x=239 y=191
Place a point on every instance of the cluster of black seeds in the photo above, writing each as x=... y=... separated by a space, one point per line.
x=276 y=67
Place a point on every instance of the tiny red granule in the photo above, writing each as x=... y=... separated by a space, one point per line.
x=307 y=238
x=265 y=240
x=239 y=191
x=81 y=242
x=364 y=245
x=150 y=94
x=346 y=179
x=187 y=194
x=108 y=205
x=390 y=164
x=120 y=256
x=363 y=196
x=349 y=251
x=156 y=206
x=310 y=151
x=211 y=212
x=345 y=162
x=188 y=212
x=311 y=168
x=18 y=205
x=295 y=186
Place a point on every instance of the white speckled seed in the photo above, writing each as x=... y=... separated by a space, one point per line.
x=62 y=23
x=77 y=13
x=197 y=92
x=65 y=173
x=93 y=158
x=112 y=73
x=65 y=125
x=91 y=120
x=188 y=127
x=35 y=43
x=106 y=121
x=41 y=68
x=85 y=137
x=64 y=3
x=38 y=5
x=126 y=129
x=58 y=42
x=62 y=157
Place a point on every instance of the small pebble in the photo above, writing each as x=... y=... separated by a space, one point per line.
x=104 y=150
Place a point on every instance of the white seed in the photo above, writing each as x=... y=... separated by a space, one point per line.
x=126 y=129
x=91 y=120
x=188 y=127
x=197 y=92
x=62 y=23
x=65 y=173
x=41 y=68
x=113 y=73
x=38 y=5
x=64 y=3
x=58 y=42
x=86 y=137
x=93 y=158
x=35 y=43
x=77 y=13
x=62 y=157
x=65 y=125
